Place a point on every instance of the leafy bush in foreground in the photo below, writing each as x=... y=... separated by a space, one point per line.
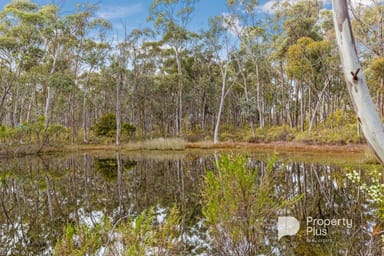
x=135 y=236
x=238 y=202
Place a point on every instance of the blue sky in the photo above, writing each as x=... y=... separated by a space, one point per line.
x=134 y=12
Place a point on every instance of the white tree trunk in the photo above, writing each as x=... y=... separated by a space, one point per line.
x=221 y=105
x=118 y=108
x=85 y=136
x=179 y=105
x=357 y=86
x=49 y=90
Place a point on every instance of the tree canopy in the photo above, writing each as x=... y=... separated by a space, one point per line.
x=250 y=71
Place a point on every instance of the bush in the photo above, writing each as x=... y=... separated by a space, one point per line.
x=106 y=126
x=371 y=183
x=274 y=133
x=237 y=202
x=141 y=235
x=341 y=136
x=128 y=129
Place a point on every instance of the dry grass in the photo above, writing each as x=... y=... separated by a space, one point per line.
x=153 y=144
x=370 y=157
x=281 y=146
x=177 y=144
x=160 y=144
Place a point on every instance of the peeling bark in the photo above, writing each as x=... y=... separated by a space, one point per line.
x=357 y=86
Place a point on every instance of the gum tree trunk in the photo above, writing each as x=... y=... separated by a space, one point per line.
x=357 y=86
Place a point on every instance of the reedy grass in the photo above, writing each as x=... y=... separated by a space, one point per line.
x=163 y=144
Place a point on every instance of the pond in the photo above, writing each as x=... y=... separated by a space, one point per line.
x=40 y=195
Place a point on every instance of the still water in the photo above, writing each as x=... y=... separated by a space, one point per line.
x=39 y=196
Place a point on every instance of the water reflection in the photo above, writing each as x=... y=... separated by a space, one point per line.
x=327 y=195
x=40 y=195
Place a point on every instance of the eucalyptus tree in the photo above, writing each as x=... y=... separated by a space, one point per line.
x=84 y=53
x=19 y=52
x=368 y=28
x=369 y=119
x=375 y=78
x=94 y=58
x=311 y=64
x=222 y=46
x=172 y=17
x=140 y=55
x=202 y=75
x=52 y=34
x=252 y=33
x=297 y=20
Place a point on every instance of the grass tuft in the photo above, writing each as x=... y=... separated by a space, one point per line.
x=162 y=144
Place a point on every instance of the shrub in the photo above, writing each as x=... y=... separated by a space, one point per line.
x=80 y=240
x=4 y=133
x=128 y=129
x=274 y=133
x=371 y=183
x=106 y=126
x=237 y=202
x=139 y=236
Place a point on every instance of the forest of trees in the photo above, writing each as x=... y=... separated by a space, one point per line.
x=246 y=71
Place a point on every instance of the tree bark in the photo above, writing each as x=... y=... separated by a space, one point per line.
x=118 y=107
x=179 y=105
x=49 y=90
x=357 y=86
x=224 y=71
x=85 y=136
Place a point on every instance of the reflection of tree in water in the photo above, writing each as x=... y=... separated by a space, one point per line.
x=108 y=167
x=327 y=194
x=40 y=196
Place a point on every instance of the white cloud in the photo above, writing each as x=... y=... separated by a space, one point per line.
x=268 y=7
x=117 y=12
x=232 y=24
x=365 y=2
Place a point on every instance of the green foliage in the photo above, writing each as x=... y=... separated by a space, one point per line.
x=106 y=126
x=299 y=65
x=134 y=236
x=3 y=133
x=375 y=74
x=347 y=134
x=274 y=133
x=372 y=185
x=142 y=234
x=338 y=119
x=307 y=59
x=237 y=202
x=341 y=127
x=128 y=129
x=81 y=240
x=107 y=167
x=33 y=132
